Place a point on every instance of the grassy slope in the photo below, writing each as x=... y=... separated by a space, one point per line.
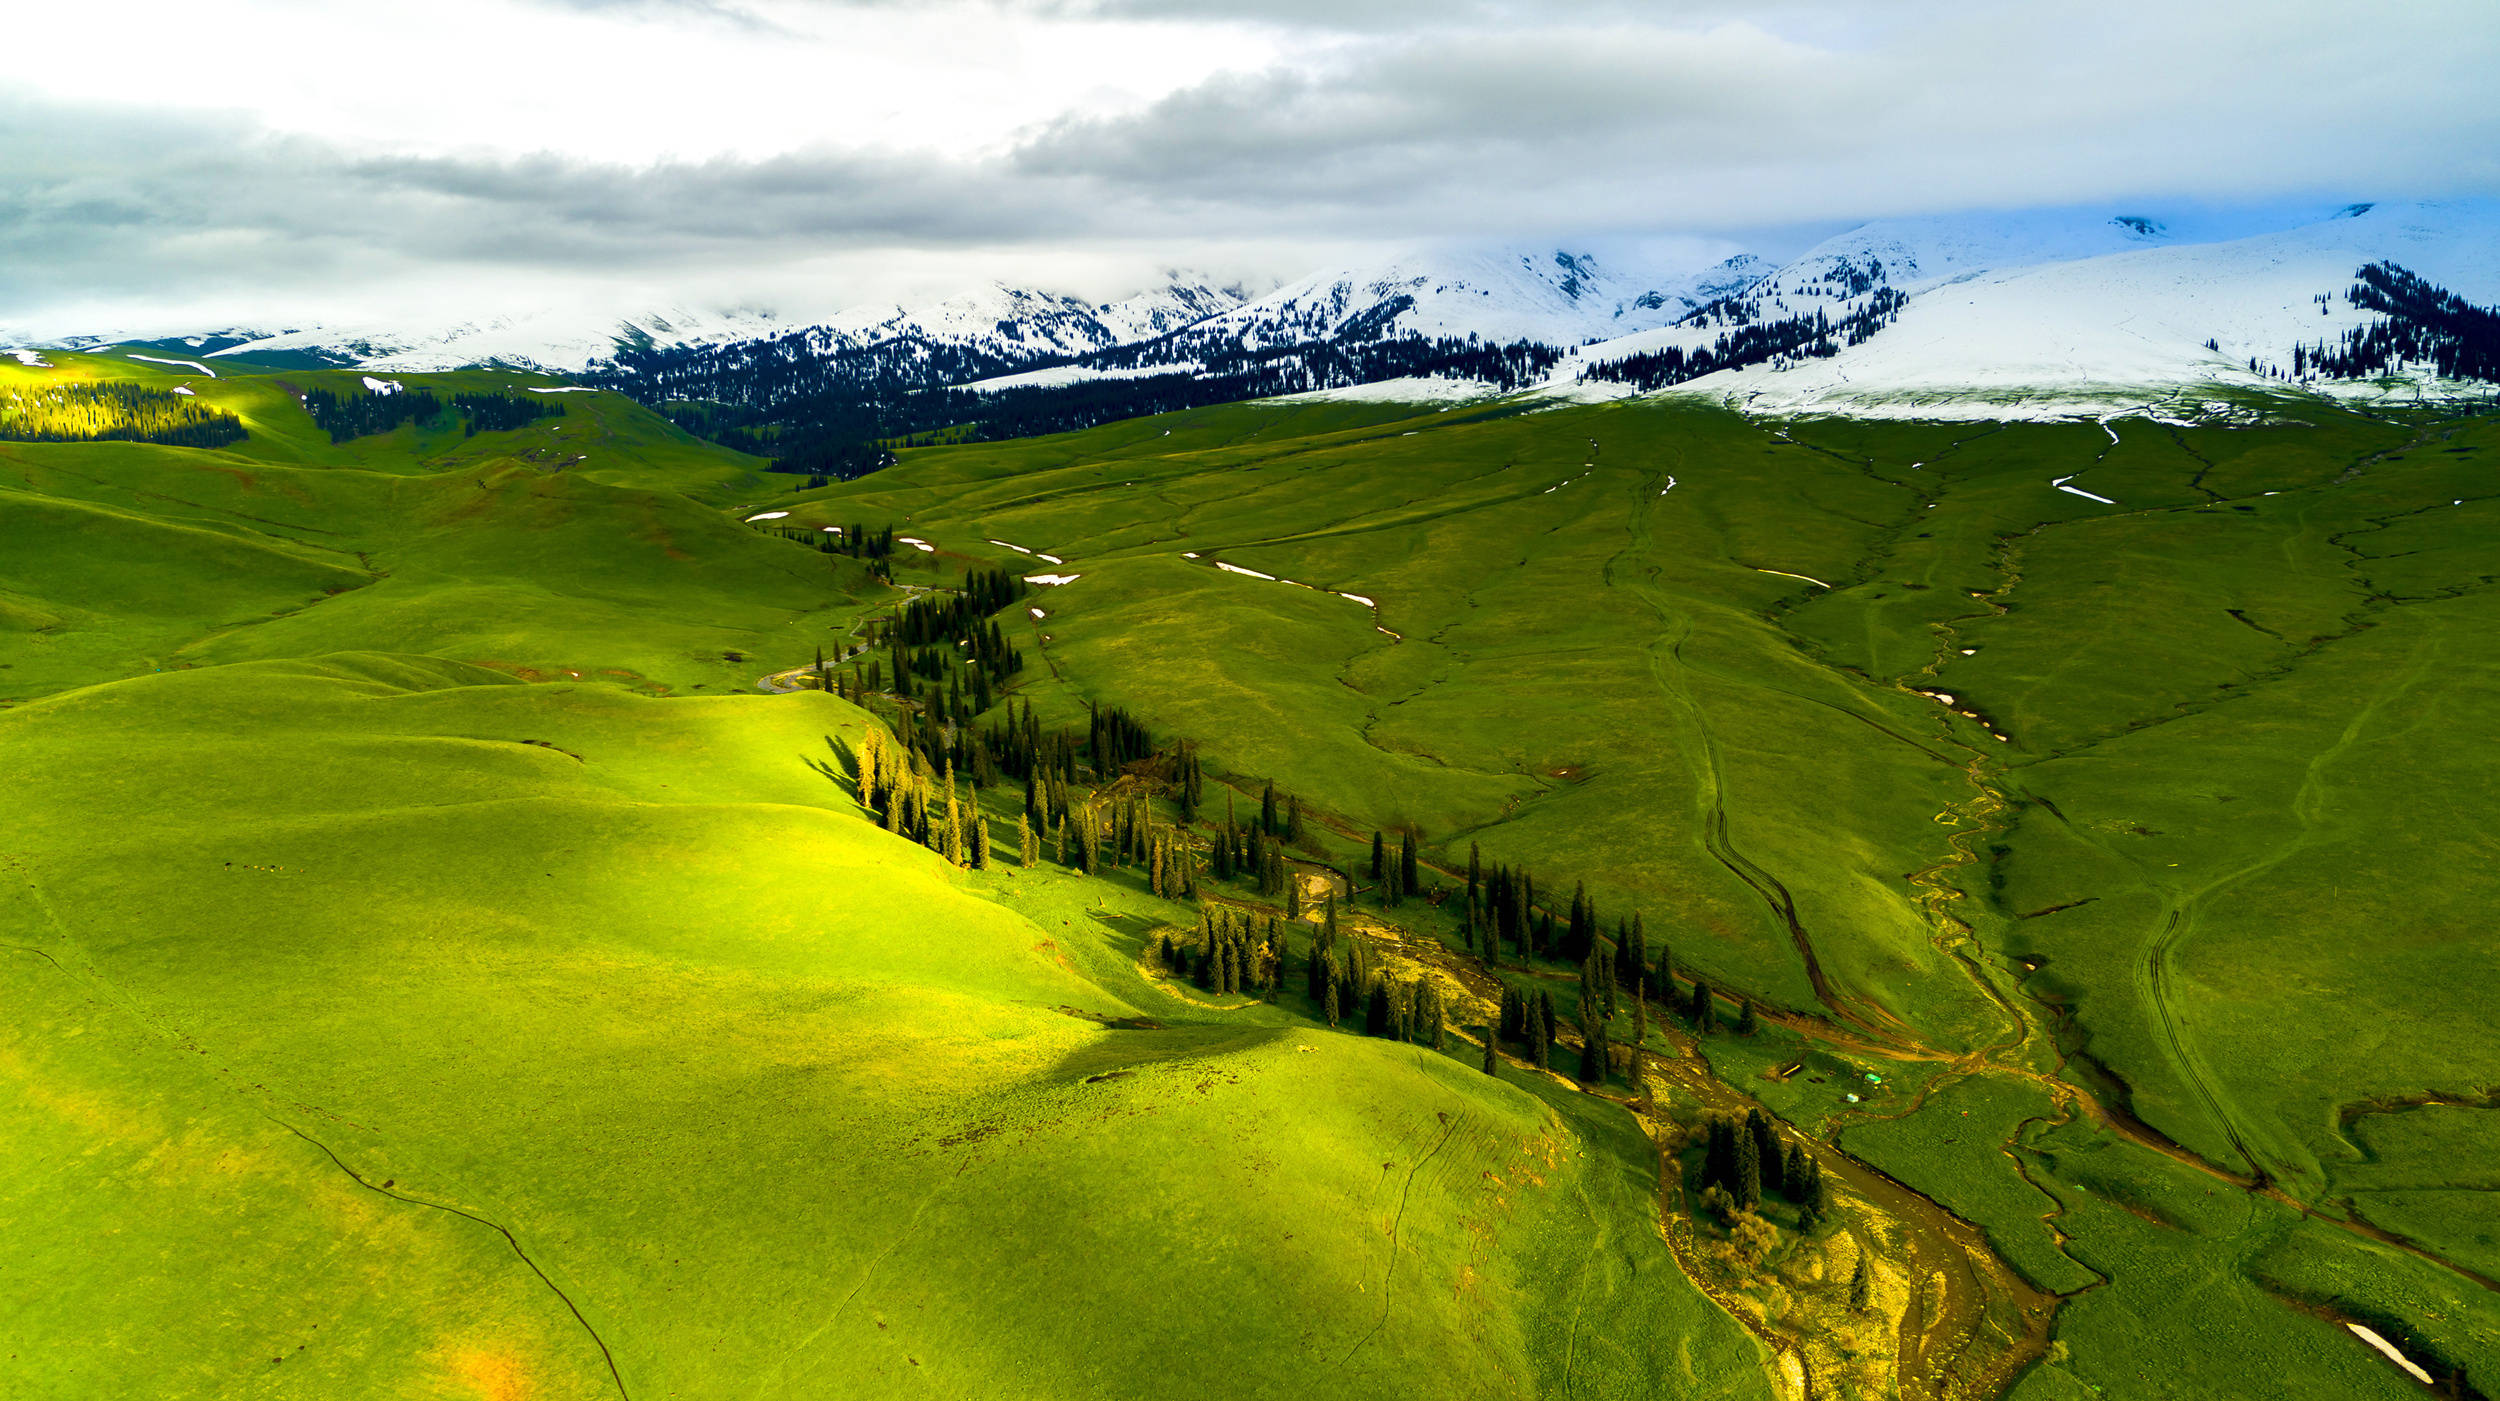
x=501 y=549
x=371 y=958
x=2243 y=668
x=781 y=1103
x=1595 y=676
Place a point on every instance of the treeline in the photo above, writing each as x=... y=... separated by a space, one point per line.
x=823 y=408
x=1760 y=342
x=2425 y=325
x=496 y=413
x=363 y=413
x=114 y=411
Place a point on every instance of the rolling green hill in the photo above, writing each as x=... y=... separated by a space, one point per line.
x=436 y=971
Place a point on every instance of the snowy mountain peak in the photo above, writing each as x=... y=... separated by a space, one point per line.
x=1555 y=296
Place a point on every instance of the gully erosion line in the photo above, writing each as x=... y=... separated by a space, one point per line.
x=1389 y=1275
x=509 y=1239
x=2182 y=1055
x=1714 y=825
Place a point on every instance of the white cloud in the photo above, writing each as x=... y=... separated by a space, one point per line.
x=792 y=151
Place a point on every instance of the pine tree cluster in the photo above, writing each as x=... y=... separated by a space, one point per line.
x=115 y=411
x=495 y=413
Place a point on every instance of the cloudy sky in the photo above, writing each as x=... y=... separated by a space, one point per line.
x=167 y=164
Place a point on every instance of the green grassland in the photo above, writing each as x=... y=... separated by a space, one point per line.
x=435 y=971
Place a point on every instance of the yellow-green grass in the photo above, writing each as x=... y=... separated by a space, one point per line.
x=2262 y=665
x=2223 y=872
x=129 y=558
x=321 y=967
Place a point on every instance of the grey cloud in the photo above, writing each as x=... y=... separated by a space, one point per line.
x=1482 y=124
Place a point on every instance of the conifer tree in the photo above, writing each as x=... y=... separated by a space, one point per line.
x=1747 y=1022
x=1640 y=1041
x=1748 y=1186
x=1268 y=824
x=1492 y=1054
x=1293 y=821
x=1594 y=1051
x=1718 y=1158
x=1407 y=883
x=1475 y=872
x=1376 y=1011
x=1704 y=1011
x=1861 y=1288
x=1380 y=859
x=1328 y=1001
x=1766 y=1149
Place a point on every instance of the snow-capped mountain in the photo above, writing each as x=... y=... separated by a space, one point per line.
x=558 y=340
x=1551 y=296
x=1972 y=316
x=2005 y=320
x=1018 y=324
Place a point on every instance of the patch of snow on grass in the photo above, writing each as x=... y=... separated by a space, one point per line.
x=1237 y=569
x=32 y=359
x=567 y=389
x=1037 y=613
x=1412 y=390
x=2370 y=1336
x=185 y=389
x=1054 y=559
x=1052 y=579
x=767 y=516
x=1019 y=549
x=1758 y=569
x=2088 y=496
x=186 y=364
x=383 y=386
x=922 y=546
x=1359 y=599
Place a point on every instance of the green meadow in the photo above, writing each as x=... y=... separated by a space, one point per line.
x=437 y=970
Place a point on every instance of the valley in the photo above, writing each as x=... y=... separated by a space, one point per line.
x=454 y=929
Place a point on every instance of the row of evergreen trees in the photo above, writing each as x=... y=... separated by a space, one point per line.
x=1345 y=975
x=495 y=413
x=363 y=413
x=1789 y=338
x=1234 y=954
x=2422 y=324
x=115 y=411
x=828 y=408
x=899 y=786
x=1248 y=954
